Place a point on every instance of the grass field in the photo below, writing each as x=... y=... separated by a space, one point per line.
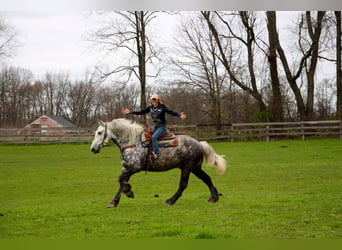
x=280 y=189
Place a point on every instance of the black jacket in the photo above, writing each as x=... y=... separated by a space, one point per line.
x=157 y=114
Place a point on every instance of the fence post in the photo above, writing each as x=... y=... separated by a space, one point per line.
x=197 y=131
x=267 y=133
x=303 y=135
x=232 y=133
x=340 y=129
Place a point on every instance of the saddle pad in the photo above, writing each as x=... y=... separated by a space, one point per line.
x=167 y=140
x=162 y=144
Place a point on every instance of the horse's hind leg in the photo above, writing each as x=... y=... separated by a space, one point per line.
x=182 y=185
x=207 y=180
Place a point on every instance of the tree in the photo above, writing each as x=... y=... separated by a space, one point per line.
x=314 y=29
x=247 y=40
x=324 y=99
x=309 y=50
x=55 y=90
x=338 y=64
x=198 y=67
x=276 y=99
x=14 y=96
x=129 y=34
x=8 y=39
x=113 y=98
x=80 y=101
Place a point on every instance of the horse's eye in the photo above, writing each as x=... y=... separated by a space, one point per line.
x=99 y=133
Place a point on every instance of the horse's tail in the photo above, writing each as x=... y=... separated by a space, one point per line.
x=213 y=159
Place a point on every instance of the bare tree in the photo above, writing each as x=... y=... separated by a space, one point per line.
x=314 y=30
x=324 y=97
x=55 y=90
x=198 y=66
x=37 y=100
x=305 y=110
x=247 y=40
x=113 y=98
x=338 y=64
x=14 y=95
x=276 y=99
x=80 y=101
x=129 y=34
x=8 y=39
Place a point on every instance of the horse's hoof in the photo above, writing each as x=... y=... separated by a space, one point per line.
x=130 y=194
x=212 y=200
x=110 y=205
x=169 y=202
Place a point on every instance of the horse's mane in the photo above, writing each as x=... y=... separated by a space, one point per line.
x=126 y=129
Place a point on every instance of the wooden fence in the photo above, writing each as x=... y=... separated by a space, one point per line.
x=264 y=131
x=45 y=135
x=230 y=132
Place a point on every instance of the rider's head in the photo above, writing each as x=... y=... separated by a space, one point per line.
x=155 y=99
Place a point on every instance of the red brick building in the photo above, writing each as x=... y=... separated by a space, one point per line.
x=48 y=124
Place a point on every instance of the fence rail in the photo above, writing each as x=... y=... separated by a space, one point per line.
x=45 y=135
x=231 y=132
x=266 y=131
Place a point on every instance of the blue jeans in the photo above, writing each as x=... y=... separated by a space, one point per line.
x=157 y=133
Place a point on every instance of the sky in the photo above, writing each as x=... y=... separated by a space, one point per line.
x=55 y=41
x=171 y=5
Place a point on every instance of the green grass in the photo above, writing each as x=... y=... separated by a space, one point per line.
x=280 y=189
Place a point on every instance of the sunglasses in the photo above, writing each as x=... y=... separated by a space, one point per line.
x=154 y=99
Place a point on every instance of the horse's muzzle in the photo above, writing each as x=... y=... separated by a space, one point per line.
x=95 y=151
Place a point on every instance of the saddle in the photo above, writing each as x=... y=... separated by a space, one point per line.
x=167 y=140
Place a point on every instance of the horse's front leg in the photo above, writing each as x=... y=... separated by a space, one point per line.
x=116 y=199
x=125 y=187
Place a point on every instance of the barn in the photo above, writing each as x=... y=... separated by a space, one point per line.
x=48 y=124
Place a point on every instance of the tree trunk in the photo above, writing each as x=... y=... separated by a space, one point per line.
x=315 y=34
x=276 y=100
x=338 y=64
x=292 y=79
x=141 y=49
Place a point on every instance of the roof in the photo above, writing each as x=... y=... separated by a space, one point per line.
x=61 y=121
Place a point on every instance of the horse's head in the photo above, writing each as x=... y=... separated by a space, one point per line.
x=102 y=137
x=121 y=131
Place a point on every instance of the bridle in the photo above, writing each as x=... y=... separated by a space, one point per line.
x=122 y=149
x=104 y=135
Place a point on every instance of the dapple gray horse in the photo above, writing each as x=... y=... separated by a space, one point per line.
x=188 y=156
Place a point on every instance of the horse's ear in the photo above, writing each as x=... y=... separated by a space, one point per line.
x=101 y=123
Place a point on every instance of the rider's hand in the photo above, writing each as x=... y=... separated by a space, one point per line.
x=125 y=111
x=183 y=116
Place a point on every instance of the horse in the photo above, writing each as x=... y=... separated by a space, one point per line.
x=187 y=156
